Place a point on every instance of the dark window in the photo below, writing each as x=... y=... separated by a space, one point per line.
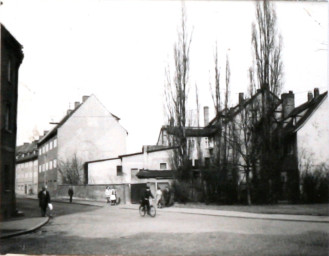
x=196 y=164
x=207 y=162
x=163 y=166
x=6 y=177
x=9 y=71
x=119 y=170
x=7 y=117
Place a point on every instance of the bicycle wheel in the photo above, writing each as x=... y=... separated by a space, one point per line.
x=152 y=212
x=142 y=211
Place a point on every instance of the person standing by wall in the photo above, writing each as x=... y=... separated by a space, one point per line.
x=71 y=192
x=44 y=200
x=158 y=198
x=108 y=193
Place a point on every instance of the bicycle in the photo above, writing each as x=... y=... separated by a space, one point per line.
x=143 y=210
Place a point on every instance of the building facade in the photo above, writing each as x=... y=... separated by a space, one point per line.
x=11 y=57
x=27 y=169
x=86 y=133
x=128 y=174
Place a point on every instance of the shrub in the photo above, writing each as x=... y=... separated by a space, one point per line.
x=315 y=186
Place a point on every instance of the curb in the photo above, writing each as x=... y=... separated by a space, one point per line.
x=65 y=202
x=241 y=216
x=26 y=231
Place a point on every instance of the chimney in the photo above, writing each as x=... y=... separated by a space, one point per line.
x=316 y=92
x=84 y=98
x=76 y=104
x=69 y=111
x=45 y=132
x=241 y=98
x=206 y=115
x=288 y=103
x=309 y=96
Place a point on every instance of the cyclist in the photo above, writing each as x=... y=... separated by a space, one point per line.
x=146 y=197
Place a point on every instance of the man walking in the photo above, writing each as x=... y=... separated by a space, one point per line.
x=44 y=200
x=70 y=192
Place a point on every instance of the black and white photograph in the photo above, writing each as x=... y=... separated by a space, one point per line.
x=164 y=127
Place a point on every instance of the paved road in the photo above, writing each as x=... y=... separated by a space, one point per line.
x=80 y=229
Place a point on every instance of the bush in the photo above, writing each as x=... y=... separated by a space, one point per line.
x=181 y=190
x=315 y=186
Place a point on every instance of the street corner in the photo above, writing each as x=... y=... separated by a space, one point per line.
x=18 y=227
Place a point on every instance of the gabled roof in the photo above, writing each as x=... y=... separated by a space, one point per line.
x=298 y=117
x=233 y=111
x=53 y=131
x=28 y=149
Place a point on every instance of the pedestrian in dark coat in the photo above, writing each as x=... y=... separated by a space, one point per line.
x=44 y=200
x=70 y=192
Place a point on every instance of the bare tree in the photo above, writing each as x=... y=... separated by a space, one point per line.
x=176 y=91
x=266 y=73
x=215 y=93
x=267 y=44
x=71 y=170
x=216 y=97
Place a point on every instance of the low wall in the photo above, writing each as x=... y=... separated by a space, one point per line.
x=96 y=192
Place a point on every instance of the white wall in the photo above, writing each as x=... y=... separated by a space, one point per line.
x=105 y=172
x=313 y=138
x=26 y=174
x=92 y=133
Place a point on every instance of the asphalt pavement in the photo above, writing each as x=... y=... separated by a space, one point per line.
x=23 y=225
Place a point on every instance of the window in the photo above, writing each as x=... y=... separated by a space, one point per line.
x=47 y=165
x=51 y=145
x=119 y=170
x=7 y=118
x=163 y=166
x=6 y=177
x=196 y=164
x=55 y=143
x=39 y=168
x=47 y=147
x=9 y=71
x=191 y=142
x=39 y=151
x=51 y=165
x=206 y=141
x=55 y=163
x=207 y=162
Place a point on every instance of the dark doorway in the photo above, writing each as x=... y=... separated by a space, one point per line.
x=136 y=192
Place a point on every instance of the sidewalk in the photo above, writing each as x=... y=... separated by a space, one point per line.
x=20 y=226
x=235 y=214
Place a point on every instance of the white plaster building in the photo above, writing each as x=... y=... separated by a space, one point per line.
x=129 y=173
x=308 y=126
x=26 y=181
x=89 y=132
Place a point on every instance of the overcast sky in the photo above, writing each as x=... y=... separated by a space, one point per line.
x=118 y=51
